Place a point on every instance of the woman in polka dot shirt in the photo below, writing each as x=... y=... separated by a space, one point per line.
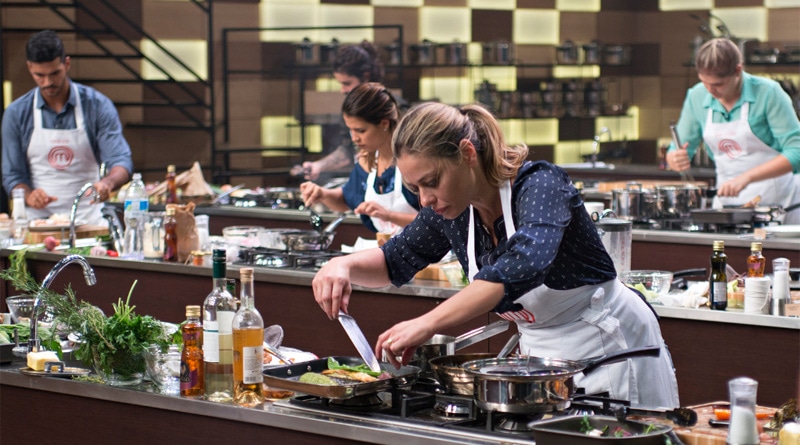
x=530 y=250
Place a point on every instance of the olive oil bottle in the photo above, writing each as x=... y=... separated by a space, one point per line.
x=718 y=280
x=248 y=346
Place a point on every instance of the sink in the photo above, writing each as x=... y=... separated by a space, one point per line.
x=586 y=165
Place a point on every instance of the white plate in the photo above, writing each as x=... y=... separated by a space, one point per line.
x=40 y=226
x=295 y=355
x=786 y=231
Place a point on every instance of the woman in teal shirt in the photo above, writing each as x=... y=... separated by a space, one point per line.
x=749 y=128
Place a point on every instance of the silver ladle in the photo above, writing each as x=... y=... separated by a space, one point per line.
x=316 y=220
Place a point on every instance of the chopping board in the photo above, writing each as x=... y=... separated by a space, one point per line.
x=82 y=231
x=651 y=184
x=703 y=433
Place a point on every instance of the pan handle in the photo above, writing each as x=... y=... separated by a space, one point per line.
x=614 y=357
x=482 y=333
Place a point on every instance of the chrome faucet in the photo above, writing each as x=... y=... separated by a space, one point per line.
x=95 y=197
x=596 y=143
x=114 y=226
x=34 y=343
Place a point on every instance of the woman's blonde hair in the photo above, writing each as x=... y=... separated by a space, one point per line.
x=718 y=57
x=436 y=130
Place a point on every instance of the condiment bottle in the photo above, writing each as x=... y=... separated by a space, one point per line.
x=718 y=280
x=743 y=429
x=172 y=189
x=219 y=309
x=756 y=261
x=170 y=236
x=192 y=382
x=248 y=346
x=780 y=286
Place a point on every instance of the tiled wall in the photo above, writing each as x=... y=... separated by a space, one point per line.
x=660 y=30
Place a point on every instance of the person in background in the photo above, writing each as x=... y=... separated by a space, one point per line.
x=749 y=127
x=375 y=188
x=354 y=65
x=529 y=248
x=56 y=136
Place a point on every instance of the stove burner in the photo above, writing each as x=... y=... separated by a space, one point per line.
x=515 y=423
x=455 y=406
x=279 y=259
x=367 y=402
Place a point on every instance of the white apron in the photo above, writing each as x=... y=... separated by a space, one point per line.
x=587 y=322
x=61 y=162
x=393 y=201
x=736 y=150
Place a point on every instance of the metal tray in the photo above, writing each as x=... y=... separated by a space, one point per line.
x=56 y=369
x=285 y=377
x=567 y=430
x=723 y=216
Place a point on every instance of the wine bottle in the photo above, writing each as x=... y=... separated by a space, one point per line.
x=718 y=280
x=248 y=346
x=219 y=308
x=192 y=384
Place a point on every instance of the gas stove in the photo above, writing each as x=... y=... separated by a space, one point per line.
x=688 y=225
x=281 y=259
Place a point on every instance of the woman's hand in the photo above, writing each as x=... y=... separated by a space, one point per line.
x=402 y=340
x=733 y=187
x=311 y=193
x=678 y=160
x=332 y=287
x=373 y=209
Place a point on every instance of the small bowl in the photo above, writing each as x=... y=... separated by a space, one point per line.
x=243 y=236
x=21 y=307
x=164 y=368
x=652 y=283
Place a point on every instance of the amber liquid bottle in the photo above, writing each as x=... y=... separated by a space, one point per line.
x=756 y=261
x=248 y=346
x=718 y=280
x=172 y=188
x=170 y=236
x=192 y=381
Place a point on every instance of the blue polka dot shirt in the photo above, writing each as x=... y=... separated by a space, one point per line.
x=556 y=242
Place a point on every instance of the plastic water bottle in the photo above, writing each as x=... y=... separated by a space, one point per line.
x=136 y=206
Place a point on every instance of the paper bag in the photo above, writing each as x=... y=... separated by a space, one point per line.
x=186 y=230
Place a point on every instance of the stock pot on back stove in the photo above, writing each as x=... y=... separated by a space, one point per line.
x=634 y=203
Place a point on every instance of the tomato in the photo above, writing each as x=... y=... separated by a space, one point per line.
x=112 y=253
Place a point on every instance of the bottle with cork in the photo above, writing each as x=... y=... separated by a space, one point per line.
x=718 y=280
x=192 y=374
x=756 y=261
x=248 y=346
x=172 y=188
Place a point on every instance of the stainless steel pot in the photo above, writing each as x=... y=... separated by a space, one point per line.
x=448 y=371
x=423 y=53
x=634 y=203
x=567 y=54
x=677 y=201
x=455 y=53
x=528 y=385
x=306 y=240
x=496 y=53
x=617 y=55
x=440 y=345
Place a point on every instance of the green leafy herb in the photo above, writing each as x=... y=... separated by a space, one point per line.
x=585 y=425
x=333 y=364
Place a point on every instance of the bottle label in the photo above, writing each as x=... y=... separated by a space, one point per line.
x=210 y=341
x=190 y=378
x=141 y=205
x=225 y=322
x=719 y=291
x=253 y=363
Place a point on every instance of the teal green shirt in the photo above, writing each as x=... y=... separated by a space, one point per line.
x=772 y=117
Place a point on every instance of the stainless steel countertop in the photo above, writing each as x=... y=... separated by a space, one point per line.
x=276 y=415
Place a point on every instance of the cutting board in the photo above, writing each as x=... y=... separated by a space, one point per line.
x=83 y=231
x=651 y=184
x=703 y=433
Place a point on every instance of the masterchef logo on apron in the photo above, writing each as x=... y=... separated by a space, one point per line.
x=730 y=147
x=60 y=157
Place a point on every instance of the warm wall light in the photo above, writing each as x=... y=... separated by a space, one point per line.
x=450 y=90
x=530 y=131
x=782 y=3
x=7 y=97
x=748 y=23
x=687 y=5
x=536 y=26
x=445 y=24
x=576 y=72
x=283 y=131
x=492 y=4
x=349 y=15
x=570 y=152
x=193 y=53
x=399 y=3
x=296 y=14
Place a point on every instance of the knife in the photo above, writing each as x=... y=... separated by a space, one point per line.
x=357 y=337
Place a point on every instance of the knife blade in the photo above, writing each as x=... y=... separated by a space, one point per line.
x=359 y=341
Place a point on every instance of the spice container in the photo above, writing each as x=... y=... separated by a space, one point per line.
x=756 y=261
x=743 y=430
x=199 y=258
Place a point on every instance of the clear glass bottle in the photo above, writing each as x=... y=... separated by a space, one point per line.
x=172 y=188
x=192 y=384
x=170 y=236
x=718 y=280
x=219 y=309
x=248 y=346
x=19 y=215
x=136 y=207
x=756 y=261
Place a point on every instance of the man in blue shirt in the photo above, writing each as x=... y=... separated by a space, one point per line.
x=749 y=127
x=56 y=136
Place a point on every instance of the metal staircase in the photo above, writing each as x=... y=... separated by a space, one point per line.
x=114 y=36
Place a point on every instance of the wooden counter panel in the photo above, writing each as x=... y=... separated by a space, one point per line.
x=104 y=422
x=706 y=355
